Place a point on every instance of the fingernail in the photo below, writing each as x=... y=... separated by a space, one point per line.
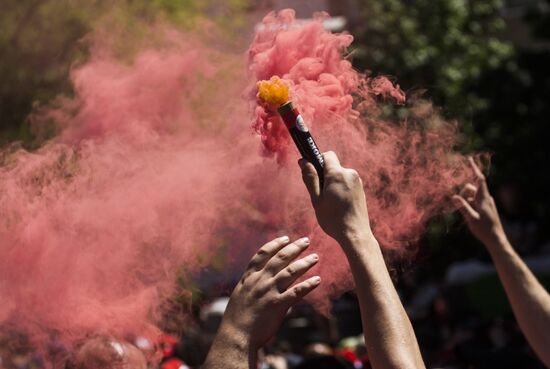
x=304 y=240
x=313 y=258
x=316 y=280
x=285 y=239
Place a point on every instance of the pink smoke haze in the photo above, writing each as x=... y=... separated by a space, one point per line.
x=156 y=169
x=146 y=177
x=409 y=166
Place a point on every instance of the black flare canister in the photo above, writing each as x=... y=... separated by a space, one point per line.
x=302 y=138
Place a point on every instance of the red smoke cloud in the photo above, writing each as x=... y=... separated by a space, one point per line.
x=409 y=166
x=155 y=167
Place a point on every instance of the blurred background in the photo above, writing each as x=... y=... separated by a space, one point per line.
x=485 y=63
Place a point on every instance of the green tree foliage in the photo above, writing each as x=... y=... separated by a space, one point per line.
x=41 y=39
x=438 y=45
x=498 y=92
x=38 y=42
x=515 y=126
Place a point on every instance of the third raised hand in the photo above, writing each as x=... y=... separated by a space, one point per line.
x=479 y=209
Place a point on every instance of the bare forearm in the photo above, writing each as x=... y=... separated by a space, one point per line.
x=230 y=351
x=530 y=301
x=389 y=336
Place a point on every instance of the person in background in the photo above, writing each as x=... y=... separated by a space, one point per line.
x=528 y=298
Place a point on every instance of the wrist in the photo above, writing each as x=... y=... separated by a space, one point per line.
x=233 y=344
x=497 y=243
x=235 y=336
x=357 y=237
x=497 y=239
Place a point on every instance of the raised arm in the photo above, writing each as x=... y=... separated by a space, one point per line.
x=260 y=302
x=341 y=211
x=530 y=301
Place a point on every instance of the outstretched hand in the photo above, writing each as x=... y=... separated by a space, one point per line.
x=479 y=209
x=260 y=302
x=266 y=290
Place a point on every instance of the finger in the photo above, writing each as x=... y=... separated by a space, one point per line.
x=479 y=174
x=296 y=293
x=286 y=277
x=469 y=192
x=331 y=161
x=310 y=178
x=286 y=255
x=465 y=208
x=266 y=252
x=483 y=189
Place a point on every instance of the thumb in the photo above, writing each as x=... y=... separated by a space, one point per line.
x=465 y=208
x=310 y=178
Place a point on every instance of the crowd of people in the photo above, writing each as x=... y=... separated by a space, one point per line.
x=382 y=336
